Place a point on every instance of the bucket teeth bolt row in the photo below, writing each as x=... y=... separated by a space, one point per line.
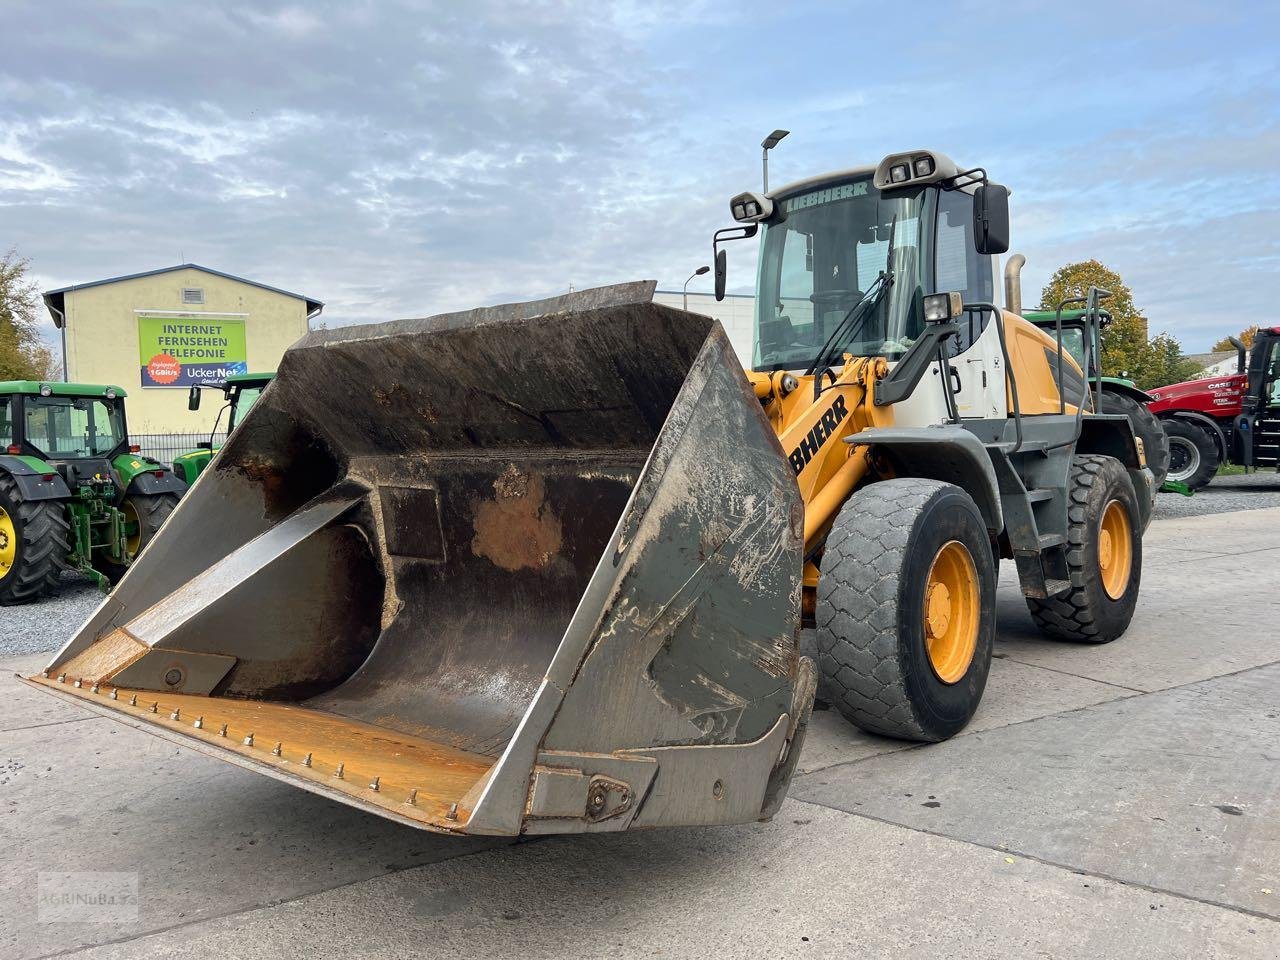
x=133 y=701
x=94 y=688
x=306 y=761
x=413 y=797
x=79 y=683
x=115 y=694
x=374 y=785
x=176 y=715
x=199 y=724
x=222 y=730
x=248 y=740
x=62 y=678
x=338 y=773
x=275 y=751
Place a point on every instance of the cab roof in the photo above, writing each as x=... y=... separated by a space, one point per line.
x=32 y=387
x=251 y=378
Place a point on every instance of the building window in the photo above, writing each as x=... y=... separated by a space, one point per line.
x=192 y=295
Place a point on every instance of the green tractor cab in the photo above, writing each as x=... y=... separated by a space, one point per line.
x=74 y=494
x=241 y=392
x=1117 y=395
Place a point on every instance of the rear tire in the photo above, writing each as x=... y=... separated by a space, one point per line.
x=906 y=610
x=1194 y=455
x=147 y=513
x=34 y=542
x=1147 y=427
x=1104 y=556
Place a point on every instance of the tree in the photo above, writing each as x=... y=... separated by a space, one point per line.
x=23 y=353
x=1246 y=337
x=1126 y=348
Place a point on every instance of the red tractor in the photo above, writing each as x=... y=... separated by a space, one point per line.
x=1227 y=419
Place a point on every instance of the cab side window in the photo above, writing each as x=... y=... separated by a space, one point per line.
x=6 y=423
x=958 y=267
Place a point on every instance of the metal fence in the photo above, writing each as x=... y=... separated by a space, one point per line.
x=165 y=446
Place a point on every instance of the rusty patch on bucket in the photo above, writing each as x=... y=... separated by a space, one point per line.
x=518 y=529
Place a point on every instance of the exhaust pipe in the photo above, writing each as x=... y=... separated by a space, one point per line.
x=1013 y=283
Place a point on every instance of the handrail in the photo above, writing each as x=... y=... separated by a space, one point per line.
x=1057 y=327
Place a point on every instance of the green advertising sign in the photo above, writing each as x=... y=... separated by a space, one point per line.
x=181 y=351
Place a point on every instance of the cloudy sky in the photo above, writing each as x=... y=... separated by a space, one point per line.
x=403 y=158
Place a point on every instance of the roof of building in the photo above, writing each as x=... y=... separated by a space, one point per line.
x=1210 y=359
x=54 y=299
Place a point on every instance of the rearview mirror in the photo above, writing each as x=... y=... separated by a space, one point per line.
x=193 y=399
x=722 y=273
x=991 y=218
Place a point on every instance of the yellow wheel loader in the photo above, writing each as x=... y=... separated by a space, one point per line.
x=543 y=567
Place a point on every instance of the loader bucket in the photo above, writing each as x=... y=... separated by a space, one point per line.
x=527 y=569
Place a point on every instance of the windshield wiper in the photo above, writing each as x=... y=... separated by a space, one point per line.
x=861 y=312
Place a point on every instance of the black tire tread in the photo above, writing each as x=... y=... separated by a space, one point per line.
x=1069 y=615
x=1147 y=426
x=42 y=554
x=859 y=663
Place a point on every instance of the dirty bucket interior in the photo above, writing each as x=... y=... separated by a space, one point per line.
x=366 y=589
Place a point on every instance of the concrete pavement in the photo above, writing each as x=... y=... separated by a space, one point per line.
x=1107 y=801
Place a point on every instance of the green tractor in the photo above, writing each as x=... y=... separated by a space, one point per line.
x=1118 y=395
x=73 y=493
x=241 y=392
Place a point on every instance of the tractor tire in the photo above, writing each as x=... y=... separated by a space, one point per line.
x=149 y=513
x=1104 y=556
x=905 y=619
x=1146 y=427
x=1193 y=451
x=34 y=542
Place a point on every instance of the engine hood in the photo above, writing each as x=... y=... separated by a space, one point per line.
x=1215 y=396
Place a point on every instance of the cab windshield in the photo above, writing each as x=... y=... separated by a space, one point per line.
x=823 y=258
x=68 y=428
x=245 y=398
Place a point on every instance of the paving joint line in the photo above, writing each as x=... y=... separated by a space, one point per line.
x=51 y=723
x=1046 y=716
x=1079 y=871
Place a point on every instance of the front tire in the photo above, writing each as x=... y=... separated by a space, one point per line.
x=34 y=537
x=1193 y=452
x=143 y=515
x=1104 y=556
x=906 y=610
x=1146 y=427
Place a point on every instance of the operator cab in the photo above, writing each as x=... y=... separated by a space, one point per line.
x=856 y=262
x=836 y=240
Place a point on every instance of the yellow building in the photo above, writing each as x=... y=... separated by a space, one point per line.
x=157 y=333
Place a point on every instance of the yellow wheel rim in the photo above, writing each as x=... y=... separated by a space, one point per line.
x=1115 y=549
x=8 y=544
x=952 y=610
x=132 y=529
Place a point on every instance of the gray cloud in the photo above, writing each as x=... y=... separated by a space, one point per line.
x=402 y=158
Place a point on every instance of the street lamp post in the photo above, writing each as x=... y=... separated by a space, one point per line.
x=697 y=273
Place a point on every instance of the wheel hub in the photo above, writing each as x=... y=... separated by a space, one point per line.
x=952 y=611
x=1115 y=549
x=938 y=605
x=1184 y=458
x=8 y=543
